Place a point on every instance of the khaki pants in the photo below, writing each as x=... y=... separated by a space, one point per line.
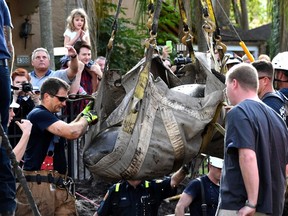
x=50 y=199
x=223 y=212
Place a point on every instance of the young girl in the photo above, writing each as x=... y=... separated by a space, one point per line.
x=77 y=28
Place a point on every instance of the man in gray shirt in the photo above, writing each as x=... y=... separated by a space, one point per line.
x=41 y=62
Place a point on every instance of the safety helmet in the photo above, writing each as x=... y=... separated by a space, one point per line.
x=216 y=162
x=280 y=61
x=233 y=59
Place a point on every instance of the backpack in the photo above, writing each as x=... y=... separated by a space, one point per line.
x=284 y=99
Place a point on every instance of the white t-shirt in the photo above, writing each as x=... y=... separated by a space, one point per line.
x=72 y=34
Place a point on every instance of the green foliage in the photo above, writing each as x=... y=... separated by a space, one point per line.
x=127 y=49
x=258 y=13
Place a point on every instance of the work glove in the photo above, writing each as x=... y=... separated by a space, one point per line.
x=89 y=114
x=88 y=108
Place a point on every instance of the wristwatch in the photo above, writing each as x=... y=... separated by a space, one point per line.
x=74 y=56
x=247 y=203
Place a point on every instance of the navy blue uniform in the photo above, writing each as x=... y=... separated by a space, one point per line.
x=145 y=199
x=211 y=192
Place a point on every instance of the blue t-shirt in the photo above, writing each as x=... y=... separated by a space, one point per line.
x=254 y=125
x=40 y=140
x=211 y=192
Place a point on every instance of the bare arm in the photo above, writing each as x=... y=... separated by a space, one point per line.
x=96 y=73
x=74 y=88
x=249 y=170
x=71 y=131
x=20 y=148
x=184 y=201
x=178 y=177
x=73 y=67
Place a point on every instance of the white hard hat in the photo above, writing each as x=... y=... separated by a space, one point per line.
x=280 y=61
x=216 y=162
x=233 y=59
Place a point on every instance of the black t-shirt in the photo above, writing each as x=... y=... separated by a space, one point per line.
x=254 y=125
x=40 y=140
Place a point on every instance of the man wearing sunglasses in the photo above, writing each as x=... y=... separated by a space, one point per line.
x=266 y=91
x=45 y=166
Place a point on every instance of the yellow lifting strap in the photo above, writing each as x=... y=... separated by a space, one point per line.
x=139 y=91
x=210 y=129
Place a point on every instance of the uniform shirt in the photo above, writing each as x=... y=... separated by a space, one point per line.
x=276 y=102
x=253 y=125
x=211 y=192
x=38 y=81
x=139 y=201
x=40 y=139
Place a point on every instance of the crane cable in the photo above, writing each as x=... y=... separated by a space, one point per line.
x=241 y=43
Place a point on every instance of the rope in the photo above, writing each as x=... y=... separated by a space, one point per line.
x=87 y=199
x=241 y=43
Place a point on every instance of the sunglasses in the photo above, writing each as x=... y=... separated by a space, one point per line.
x=60 y=98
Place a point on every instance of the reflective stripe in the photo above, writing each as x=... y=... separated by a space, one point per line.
x=117 y=186
x=146 y=184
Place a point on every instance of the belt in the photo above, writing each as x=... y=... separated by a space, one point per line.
x=3 y=62
x=48 y=179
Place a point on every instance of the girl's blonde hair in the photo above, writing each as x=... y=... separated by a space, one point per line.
x=77 y=12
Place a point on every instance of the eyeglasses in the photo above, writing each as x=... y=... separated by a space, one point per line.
x=259 y=78
x=60 y=98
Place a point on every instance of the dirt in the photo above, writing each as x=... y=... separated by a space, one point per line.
x=90 y=193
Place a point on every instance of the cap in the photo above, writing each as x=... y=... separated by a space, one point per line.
x=14 y=105
x=216 y=162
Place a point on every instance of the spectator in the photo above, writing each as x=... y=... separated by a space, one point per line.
x=25 y=126
x=192 y=194
x=77 y=28
x=266 y=91
x=45 y=165
x=232 y=60
x=7 y=182
x=41 y=62
x=255 y=153
x=136 y=197
x=245 y=59
x=27 y=98
x=264 y=57
x=101 y=60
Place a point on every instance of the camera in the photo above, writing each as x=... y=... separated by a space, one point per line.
x=89 y=64
x=27 y=87
x=180 y=61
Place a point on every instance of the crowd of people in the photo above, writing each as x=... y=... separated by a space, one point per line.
x=251 y=180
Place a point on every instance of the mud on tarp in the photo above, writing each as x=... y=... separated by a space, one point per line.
x=168 y=129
